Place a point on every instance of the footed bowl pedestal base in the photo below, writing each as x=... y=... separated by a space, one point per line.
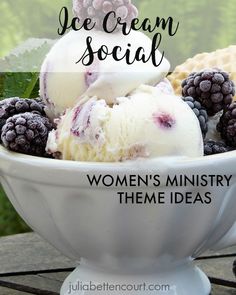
x=183 y=280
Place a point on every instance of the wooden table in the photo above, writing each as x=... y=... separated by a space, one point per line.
x=29 y=265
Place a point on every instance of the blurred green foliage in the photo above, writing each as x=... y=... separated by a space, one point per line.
x=204 y=26
x=23 y=19
x=10 y=222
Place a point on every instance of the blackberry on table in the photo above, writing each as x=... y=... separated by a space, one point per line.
x=97 y=10
x=227 y=125
x=213 y=88
x=15 y=105
x=200 y=113
x=26 y=133
x=212 y=147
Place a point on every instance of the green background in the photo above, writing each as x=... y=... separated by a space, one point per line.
x=204 y=26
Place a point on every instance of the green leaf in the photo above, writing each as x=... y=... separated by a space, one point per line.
x=20 y=70
x=26 y=60
x=18 y=84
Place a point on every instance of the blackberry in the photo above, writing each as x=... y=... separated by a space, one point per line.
x=212 y=147
x=97 y=10
x=26 y=133
x=227 y=125
x=200 y=112
x=15 y=105
x=213 y=88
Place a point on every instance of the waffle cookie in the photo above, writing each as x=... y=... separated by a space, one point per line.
x=224 y=59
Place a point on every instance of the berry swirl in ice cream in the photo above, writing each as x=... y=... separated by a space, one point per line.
x=146 y=124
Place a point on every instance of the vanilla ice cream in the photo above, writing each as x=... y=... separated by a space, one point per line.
x=63 y=82
x=146 y=124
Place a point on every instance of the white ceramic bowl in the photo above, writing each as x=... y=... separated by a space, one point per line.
x=124 y=243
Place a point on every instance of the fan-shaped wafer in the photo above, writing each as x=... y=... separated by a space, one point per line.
x=224 y=59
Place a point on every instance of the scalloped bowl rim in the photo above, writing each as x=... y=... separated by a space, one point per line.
x=57 y=163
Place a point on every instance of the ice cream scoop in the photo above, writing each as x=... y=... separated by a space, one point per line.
x=146 y=124
x=165 y=87
x=63 y=80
